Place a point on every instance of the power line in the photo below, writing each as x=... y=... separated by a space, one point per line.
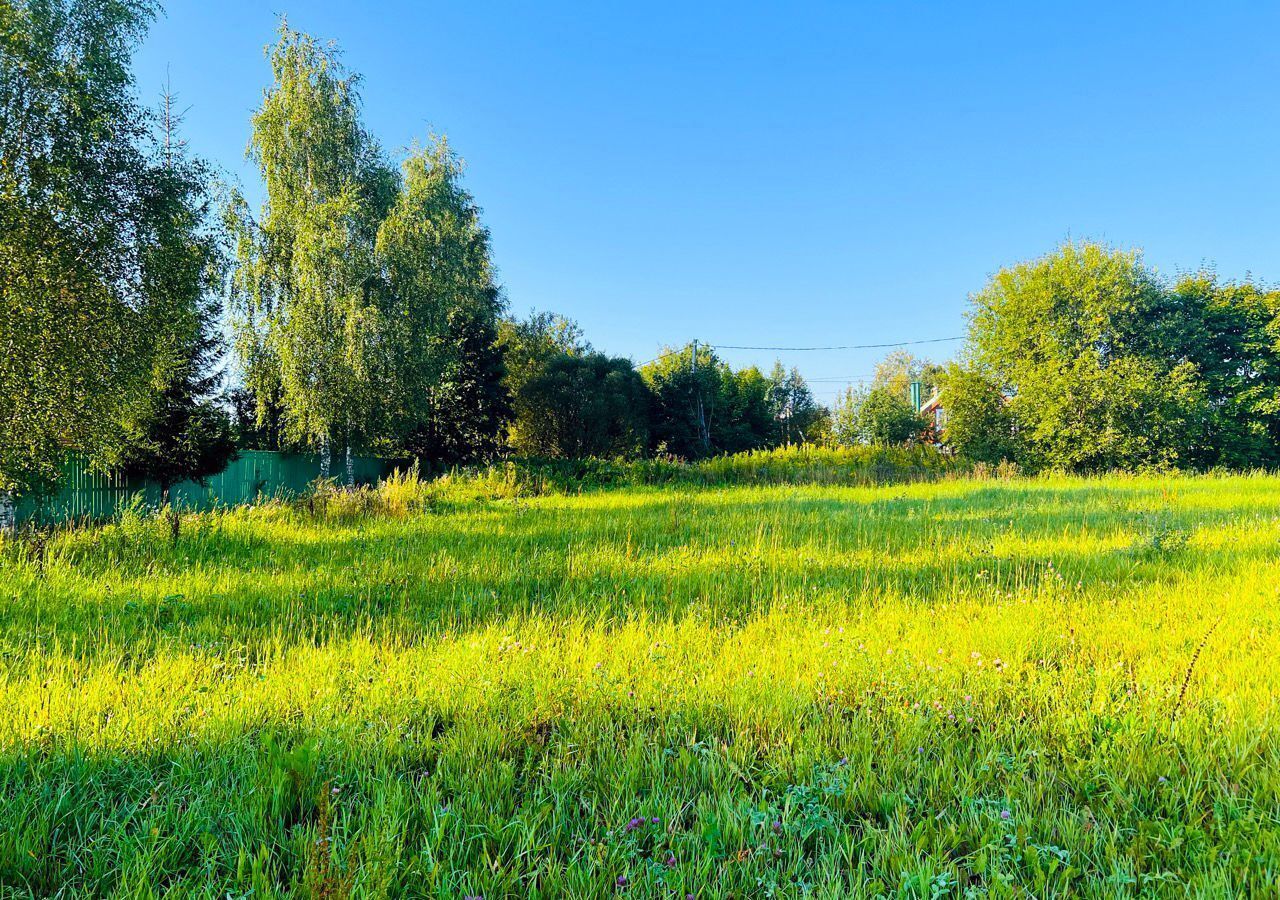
x=711 y=346
x=848 y=346
x=659 y=356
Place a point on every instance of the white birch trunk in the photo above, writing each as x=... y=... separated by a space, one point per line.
x=351 y=468
x=324 y=456
x=8 y=514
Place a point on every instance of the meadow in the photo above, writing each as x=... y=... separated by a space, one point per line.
x=961 y=687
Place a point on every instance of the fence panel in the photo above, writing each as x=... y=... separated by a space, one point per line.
x=86 y=494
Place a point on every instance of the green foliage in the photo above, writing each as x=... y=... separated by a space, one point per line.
x=83 y=221
x=878 y=416
x=257 y=421
x=184 y=434
x=1231 y=333
x=367 y=301
x=881 y=413
x=443 y=390
x=187 y=437
x=569 y=401
x=706 y=409
x=310 y=318
x=979 y=424
x=794 y=410
x=797 y=465
x=687 y=395
x=469 y=403
x=528 y=343
x=582 y=406
x=529 y=347
x=844 y=429
x=748 y=422
x=900 y=368
x=1093 y=354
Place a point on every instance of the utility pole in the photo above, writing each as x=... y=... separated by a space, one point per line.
x=703 y=436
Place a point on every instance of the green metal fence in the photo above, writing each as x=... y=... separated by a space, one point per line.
x=85 y=494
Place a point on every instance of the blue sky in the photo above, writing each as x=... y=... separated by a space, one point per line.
x=791 y=174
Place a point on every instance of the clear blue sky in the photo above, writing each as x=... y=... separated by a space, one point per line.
x=791 y=173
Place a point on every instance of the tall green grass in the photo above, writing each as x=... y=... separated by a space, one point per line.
x=467 y=687
x=796 y=465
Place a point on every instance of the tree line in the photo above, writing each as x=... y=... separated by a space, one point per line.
x=1087 y=361
x=358 y=308
x=357 y=305
x=568 y=400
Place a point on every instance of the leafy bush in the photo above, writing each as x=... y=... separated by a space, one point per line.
x=803 y=464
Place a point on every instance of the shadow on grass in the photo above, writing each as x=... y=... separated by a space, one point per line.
x=723 y=554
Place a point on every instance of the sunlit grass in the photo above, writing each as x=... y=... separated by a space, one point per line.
x=928 y=690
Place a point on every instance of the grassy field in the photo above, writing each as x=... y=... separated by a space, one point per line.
x=1022 y=688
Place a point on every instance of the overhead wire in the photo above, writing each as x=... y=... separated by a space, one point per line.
x=883 y=346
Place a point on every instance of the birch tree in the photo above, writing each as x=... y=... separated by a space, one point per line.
x=440 y=368
x=77 y=322
x=306 y=286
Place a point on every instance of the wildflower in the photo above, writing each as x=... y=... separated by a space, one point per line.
x=777 y=825
x=635 y=823
x=622 y=881
x=1162 y=779
x=655 y=820
x=670 y=860
x=1005 y=814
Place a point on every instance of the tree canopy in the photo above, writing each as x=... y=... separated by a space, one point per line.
x=83 y=216
x=1091 y=350
x=366 y=298
x=306 y=276
x=184 y=433
x=442 y=385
